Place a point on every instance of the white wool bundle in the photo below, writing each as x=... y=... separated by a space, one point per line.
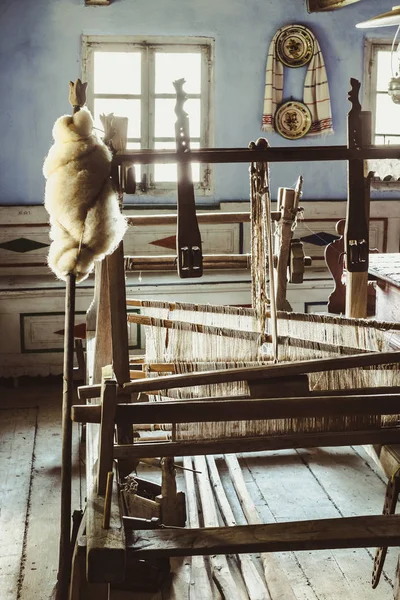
x=86 y=222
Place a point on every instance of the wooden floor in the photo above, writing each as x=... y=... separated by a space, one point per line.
x=289 y=485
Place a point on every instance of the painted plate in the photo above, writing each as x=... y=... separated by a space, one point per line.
x=293 y=120
x=295 y=46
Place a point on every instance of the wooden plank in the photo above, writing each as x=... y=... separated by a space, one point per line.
x=103 y=343
x=348 y=532
x=39 y=567
x=119 y=328
x=277 y=582
x=387 y=435
x=17 y=442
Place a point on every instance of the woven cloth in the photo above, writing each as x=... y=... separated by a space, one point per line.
x=316 y=89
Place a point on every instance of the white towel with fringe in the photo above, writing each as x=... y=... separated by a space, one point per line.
x=316 y=89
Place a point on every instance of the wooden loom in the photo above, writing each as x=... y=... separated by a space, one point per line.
x=276 y=392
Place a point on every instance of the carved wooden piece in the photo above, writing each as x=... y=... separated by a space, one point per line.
x=323 y=5
x=188 y=239
x=356 y=234
x=286 y=199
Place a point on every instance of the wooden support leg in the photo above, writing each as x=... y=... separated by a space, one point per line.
x=80 y=588
x=172 y=503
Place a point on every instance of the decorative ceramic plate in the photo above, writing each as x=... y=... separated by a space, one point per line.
x=293 y=120
x=295 y=46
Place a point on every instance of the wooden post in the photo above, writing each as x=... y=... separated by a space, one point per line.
x=107 y=430
x=65 y=551
x=172 y=503
x=99 y=322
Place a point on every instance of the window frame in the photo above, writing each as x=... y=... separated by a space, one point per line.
x=371 y=48
x=148 y=45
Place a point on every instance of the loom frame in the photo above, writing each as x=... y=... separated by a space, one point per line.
x=107 y=344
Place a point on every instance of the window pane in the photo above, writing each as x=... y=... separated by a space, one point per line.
x=121 y=108
x=117 y=72
x=165 y=117
x=384 y=69
x=387 y=116
x=170 y=66
x=168 y=172
x=138 y=168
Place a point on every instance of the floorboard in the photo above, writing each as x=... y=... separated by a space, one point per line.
x=37 y=411
x=17 y=443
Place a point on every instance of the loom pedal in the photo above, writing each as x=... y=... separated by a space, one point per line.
x=389 y=507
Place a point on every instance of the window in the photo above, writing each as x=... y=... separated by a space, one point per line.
x=132 y=78
x=385 y=114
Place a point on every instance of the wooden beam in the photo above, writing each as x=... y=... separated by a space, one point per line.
x=92 y=413
x=264 y=372
x=322 y=534
x=198 y=411
x=386 y=435
x=244 y=155
x=168 y=262
x=202 y=218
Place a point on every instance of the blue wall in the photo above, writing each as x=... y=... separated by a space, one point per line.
x=40 y=44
